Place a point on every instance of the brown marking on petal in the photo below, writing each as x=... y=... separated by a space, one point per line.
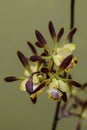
x=71 y=33
x=33 y=49
x=11 y=78
x=40 y=38
x=42 y=85
x=35 y=58
x=64 y=96
x=60 y=34
x=66 y=62
x=52 y=30
x=29 y=85
x=23 y=59
x=75 y=83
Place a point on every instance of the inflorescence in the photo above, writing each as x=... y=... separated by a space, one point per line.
x=50 y=70
x=49 y=66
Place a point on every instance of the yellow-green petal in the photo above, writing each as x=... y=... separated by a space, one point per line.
x=70 y=46
x=57 y=59
x=63 y=52
x=22 y=85
x=63 y=86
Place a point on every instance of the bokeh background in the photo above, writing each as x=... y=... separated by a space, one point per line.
x=18 y=21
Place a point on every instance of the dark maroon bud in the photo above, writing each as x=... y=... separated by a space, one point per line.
x=60 y=34
x=23 y=59
x=40 y=38
x=75 y=83
x=66 y=62
x=45 y=70
x=71 y=33
x=32 y=47
x=35 y=58
x=29 y=85
x=52 y=30
x=11 y=79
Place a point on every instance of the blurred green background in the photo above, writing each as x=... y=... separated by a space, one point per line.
x=18 y=21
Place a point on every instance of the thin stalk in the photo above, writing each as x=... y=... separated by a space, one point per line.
x=56 y=118
x=72 y=16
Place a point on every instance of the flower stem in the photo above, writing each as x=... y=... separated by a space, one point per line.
x=56 y=118
x=72 y=17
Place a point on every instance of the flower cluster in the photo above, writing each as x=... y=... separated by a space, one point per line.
x=50 y=68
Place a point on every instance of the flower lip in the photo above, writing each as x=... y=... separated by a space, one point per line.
x=54 y=93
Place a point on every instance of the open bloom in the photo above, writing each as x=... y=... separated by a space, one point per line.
x=62 y=52
x=30 y=81
x=57 y=88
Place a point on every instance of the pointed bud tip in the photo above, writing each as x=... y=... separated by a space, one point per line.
x=33 y=49
x=52 y=30
x=60 y=34
x=22 y=58
x=40 y=38
x=71 y=33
